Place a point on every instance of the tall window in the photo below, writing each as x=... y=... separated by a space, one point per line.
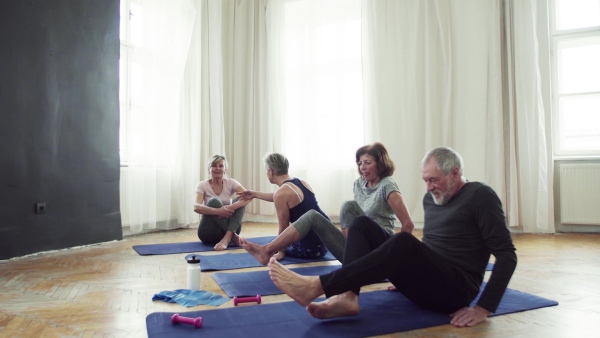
x=155 y=38
x=576 y=57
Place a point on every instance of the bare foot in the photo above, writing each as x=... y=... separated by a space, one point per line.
x=258 y=251
x=235 y=239
x=222 y=245
x=279 y=255
x=302 y=289
x=343 y=305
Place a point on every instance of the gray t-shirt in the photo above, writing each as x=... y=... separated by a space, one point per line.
x=374 y=203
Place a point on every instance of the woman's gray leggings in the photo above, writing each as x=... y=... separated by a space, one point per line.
x=348 y=212
x=212 y=228
x=330 y=235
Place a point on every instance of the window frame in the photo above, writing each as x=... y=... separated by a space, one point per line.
x=557 y=37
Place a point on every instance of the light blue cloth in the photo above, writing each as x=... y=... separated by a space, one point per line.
x=190 y=298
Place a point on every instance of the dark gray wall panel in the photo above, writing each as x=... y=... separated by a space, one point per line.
x=59 y=128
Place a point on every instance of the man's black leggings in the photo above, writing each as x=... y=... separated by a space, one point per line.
x=422 y=275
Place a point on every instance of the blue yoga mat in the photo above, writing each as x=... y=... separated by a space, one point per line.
x=231 y=261
x=382 y=312
x=259 y=283
x=184 y=247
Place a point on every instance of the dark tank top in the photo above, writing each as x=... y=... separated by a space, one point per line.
x=308 y=203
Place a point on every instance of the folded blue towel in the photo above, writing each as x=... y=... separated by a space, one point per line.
x=190 y=298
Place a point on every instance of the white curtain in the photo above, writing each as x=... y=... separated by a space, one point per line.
x=151 y=183
x=225 y=101
x=471 y=75
x=247 y=111
x=315 y=91
x=221 y=106
x=529 y=153
x=409 y=85
x=190 y=165
x=251 y=127
x=466 y=75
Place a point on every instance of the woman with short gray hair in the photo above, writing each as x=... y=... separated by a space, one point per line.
x=311 y=233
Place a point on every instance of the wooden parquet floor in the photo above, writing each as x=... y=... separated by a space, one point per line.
x=106 y=290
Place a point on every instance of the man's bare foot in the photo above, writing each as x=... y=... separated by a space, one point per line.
x=222 y=245
x=302 y=289
x=343 y=305
x=258 y=251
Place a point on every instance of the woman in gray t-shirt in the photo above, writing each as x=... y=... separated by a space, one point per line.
x=376 y=194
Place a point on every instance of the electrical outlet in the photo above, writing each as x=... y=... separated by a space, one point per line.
x=40 y=207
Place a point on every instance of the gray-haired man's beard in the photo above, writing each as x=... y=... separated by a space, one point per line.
x=439 y=201
x=445 y=197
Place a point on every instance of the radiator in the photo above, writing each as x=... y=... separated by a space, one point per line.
x=580 y=193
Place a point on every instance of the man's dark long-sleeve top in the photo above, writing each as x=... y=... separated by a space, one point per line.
x=466 y=231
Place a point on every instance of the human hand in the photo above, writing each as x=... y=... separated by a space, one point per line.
x=469 y=316
x=224 y=211
x=245 y=195
x=407 y=228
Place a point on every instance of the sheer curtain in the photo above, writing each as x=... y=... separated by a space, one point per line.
x=223 y=107
x=149 y=182
x=194 y=119
x=251 y=127
x=250 y=104
x=225 y=101
x=292 y=76
x=315 y=86
x=466 y=75
x=527 y=116
x=409 y=85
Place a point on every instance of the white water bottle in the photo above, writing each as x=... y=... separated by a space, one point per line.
x=193 y=272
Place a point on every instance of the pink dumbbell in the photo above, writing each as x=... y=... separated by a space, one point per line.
x=237 y=300
x=197 y=322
